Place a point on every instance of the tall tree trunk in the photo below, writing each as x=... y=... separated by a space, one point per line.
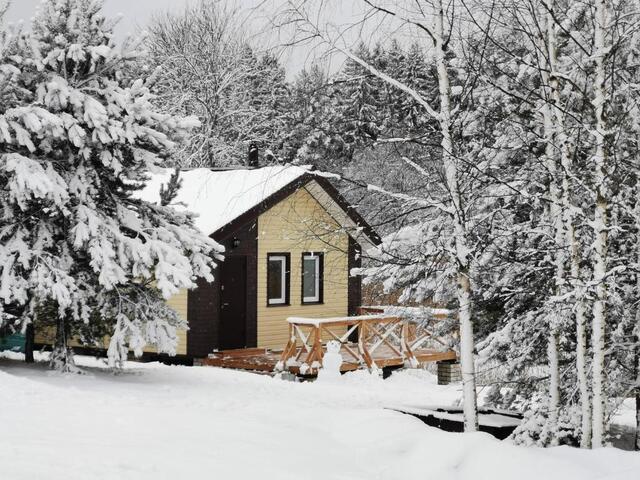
x=29 y=341
x=467 y=364
x=462 y=250
x=600 y=226
x=549 y=84
x=569 y=233
x=637 y=389
x=62 y=356
x=636 y=329
x=581 y=343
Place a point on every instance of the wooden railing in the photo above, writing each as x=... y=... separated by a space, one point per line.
x=381 y=340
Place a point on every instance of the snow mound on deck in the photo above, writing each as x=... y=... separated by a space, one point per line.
x=218 y=197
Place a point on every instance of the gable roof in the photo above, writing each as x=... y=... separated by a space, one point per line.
x=222 y=198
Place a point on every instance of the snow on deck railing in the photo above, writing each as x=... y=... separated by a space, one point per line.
x=405 y=311
x=319 y=321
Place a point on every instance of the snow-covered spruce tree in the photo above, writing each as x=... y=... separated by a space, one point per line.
x=11 y=42
x=338 y=115
x=355 y=112
x=412 y=68
x=313 y=139
x=76 y=142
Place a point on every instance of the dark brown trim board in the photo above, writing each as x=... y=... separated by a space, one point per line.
x=354 y=298
x=287 y=190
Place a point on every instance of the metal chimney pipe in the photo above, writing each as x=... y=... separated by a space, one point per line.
x=252 y=159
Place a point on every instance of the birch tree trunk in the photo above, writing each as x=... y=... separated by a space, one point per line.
x=636 y=365
x=636 y=330
x=637 y=442
x=600 y=225
x=555 y=215
x=462 y=251
x=581 y=342
x=569 y=233
x=549 y=93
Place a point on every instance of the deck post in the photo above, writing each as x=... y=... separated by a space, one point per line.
x=288 y=350
x=317 y=345
x=362 y=345
x=406 y=348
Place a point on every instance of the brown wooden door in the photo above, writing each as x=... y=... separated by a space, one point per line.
x=233 y=303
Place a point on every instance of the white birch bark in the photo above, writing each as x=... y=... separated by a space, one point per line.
x=549 y=84
x=637 y=444
x=636 y=330
x=462 y=251
x=637 y=441
x=581 y=342
x=569 y=233
x=600 y=225
x=555 y=216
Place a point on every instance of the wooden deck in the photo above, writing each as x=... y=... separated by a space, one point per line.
x=370 y=340
x=264 y=360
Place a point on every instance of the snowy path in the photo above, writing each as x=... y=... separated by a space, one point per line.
x=158 y=422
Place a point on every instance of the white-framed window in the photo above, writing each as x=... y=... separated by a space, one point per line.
x=278 y=279
x=312 y=271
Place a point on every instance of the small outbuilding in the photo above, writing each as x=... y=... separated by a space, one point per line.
x=291 y=241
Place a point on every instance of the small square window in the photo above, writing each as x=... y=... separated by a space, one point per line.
x=312 y=272
x=278 y=279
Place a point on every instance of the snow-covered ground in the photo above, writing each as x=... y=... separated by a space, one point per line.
x=159 y=422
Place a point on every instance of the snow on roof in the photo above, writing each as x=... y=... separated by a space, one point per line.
x=218 y=197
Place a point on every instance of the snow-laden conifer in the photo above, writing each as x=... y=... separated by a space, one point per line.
x=77 y=138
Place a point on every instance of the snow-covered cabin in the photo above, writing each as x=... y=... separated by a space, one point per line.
x=290 y=240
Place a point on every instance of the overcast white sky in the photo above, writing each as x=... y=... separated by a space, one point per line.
x=137 y=13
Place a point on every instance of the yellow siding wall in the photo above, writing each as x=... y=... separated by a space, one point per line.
x=300 y=224
x=45 y=335
x=178 y=302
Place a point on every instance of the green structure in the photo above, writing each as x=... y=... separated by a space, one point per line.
x=14 y=342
